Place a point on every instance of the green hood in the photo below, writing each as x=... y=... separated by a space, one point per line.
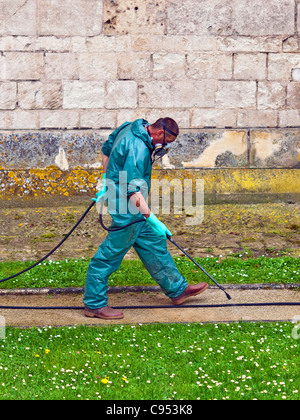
x=138 y=129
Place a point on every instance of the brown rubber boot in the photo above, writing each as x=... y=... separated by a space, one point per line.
x=191 y=290
x=103 y=313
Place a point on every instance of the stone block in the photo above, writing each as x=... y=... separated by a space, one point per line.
x=257 y=118
x=178 y=94
x=134 y=66
x=98 y=66
x=291 y=44
x=271 y=95
x=59 y=119
x=17 y=43
x=169 y=66
x=101 y=43
x=296 y=75
x=53 y=44
x=38 y=95
x=210 y=149
x=238 y=94
x=280 y=66
x=274 y=149
x=250 y=44
x=293 y=96
x=173 y=43
x=17 y=17
x=289 y=118
x=231 y=17
x=190 y=94
x=8 y=95
x=83 y=94
x=98 y=119
x=134 y=16
x=61 y=66
x=209 y=66
x=250 y=66
x=70 y=17
x=21 y=120
x=2 y=120
x=202 y=118
x=22 y=66
x=121 y=94
x=131 y=115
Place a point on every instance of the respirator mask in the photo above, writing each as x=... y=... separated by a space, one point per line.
x=161 y=150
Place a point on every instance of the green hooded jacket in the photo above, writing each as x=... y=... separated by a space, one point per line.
x=129 y=169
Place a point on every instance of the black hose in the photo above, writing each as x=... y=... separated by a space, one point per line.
x=54 y=249
x=222 y=305
x=115 y=229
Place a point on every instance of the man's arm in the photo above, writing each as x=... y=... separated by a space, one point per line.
x=104 y=162
x=140 y=203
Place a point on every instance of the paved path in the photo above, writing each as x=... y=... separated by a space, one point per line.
x=182 y=314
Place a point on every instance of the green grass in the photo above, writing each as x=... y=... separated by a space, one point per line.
x=151 y=362
x=235 y=270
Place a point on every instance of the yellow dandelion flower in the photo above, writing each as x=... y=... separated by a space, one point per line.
x=104 y=381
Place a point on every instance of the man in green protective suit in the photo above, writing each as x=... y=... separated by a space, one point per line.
x=128 y=155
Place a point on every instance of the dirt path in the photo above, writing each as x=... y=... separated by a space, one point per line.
x=256 y=229
x=228 y=313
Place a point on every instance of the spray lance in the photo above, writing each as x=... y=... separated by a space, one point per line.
x=198 y=265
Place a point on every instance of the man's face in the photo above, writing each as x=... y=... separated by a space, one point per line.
x=161 y=137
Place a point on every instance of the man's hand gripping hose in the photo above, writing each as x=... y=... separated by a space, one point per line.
x=159 y=228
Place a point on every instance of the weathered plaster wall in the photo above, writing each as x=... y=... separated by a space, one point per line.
x=71 y=71
x=233 y=163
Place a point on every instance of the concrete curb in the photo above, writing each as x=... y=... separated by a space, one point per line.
x=141 y=289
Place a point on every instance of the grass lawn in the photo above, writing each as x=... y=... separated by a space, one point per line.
x=236 y=361
x=236 y=270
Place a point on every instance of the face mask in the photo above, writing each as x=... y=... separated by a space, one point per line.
x=160 y=150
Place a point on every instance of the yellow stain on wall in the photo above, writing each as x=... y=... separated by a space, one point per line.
x=51 y=181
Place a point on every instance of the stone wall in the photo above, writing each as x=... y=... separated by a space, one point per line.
x=227 y=70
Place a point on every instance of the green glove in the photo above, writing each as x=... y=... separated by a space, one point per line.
x=159 y=228
x=102 y=191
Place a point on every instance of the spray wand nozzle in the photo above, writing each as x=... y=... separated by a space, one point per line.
x=198 y=265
